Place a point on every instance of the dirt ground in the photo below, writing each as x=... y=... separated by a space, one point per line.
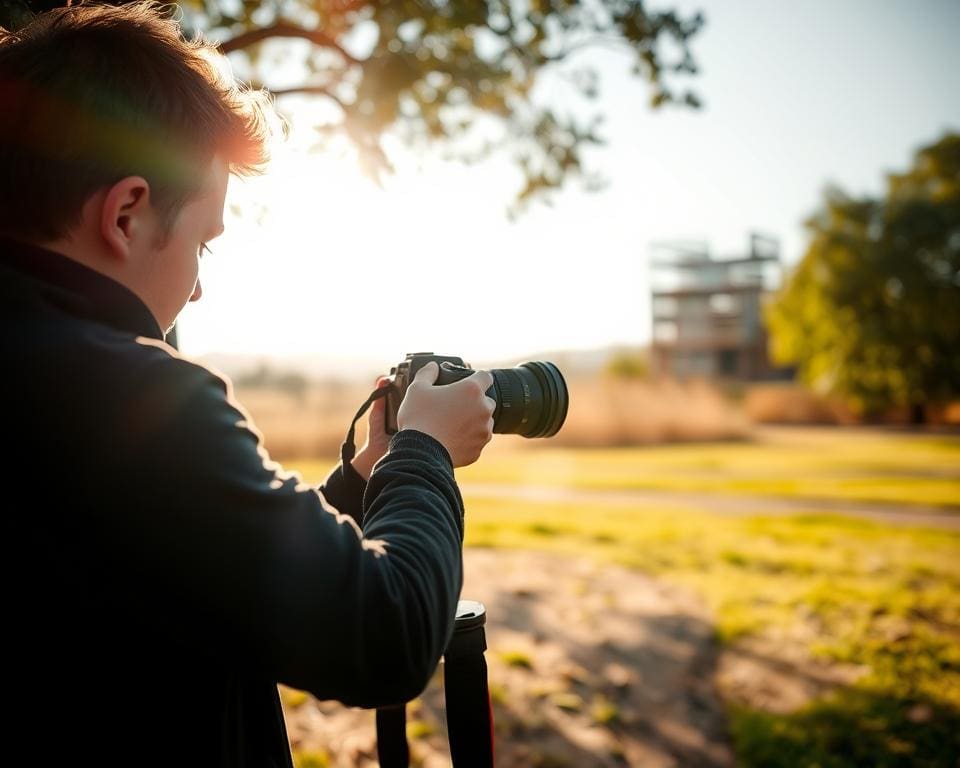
x=589 y=665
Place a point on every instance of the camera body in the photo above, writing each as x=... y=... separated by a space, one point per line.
x=451 y=369
x=531 y=398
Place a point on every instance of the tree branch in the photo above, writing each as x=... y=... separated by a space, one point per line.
x=285 y=29
x=605 y=41
x=321 y=90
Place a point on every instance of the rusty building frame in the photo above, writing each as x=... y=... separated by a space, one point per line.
x=707 y=313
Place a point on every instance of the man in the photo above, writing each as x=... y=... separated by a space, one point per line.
x=161 y=574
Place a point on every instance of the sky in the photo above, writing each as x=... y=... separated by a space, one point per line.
x=340 y=273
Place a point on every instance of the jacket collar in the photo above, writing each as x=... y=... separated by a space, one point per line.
x=79 y=289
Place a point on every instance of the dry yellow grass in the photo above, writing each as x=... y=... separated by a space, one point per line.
x=790 y=403
x=613 y=412
x=312 y=424
x=603 y=412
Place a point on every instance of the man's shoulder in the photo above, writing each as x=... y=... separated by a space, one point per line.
x=113 y=370
x=163 y=401
x=159 y=359
x=118 y=361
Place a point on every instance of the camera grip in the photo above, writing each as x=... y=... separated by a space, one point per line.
x=451 y=373
x=451 y=370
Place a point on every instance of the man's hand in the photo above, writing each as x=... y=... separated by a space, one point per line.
x=377 y=439
x=458 y=415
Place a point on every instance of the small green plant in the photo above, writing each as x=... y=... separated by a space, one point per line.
x=311 y=758
x=603 y=711
x=292 y=698
x=568 y=702
x=628 y=365
x=516 y=658
x=498 y=694
x=420 y=729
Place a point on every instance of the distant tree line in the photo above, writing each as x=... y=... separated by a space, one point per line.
x=872 y=312
x=266 y=377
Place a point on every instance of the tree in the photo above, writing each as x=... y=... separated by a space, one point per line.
x=631 y=364
x=872 y=312
x=455 y=73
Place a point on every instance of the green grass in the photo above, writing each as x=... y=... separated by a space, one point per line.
x=825 y=464
x=885 y=598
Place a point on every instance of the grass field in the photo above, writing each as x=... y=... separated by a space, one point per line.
x=880 y=603
x=854 y=592
x=833 y=464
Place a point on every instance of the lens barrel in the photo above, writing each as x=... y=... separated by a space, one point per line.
x=531 y=400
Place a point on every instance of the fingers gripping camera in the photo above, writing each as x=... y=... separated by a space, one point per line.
x=531 y=399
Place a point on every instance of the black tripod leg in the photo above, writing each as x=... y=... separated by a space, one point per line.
x=392 y=748
x=469 y=717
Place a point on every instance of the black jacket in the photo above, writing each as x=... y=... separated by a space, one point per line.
x=161 y=575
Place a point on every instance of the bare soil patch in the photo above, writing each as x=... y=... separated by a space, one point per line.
x=590 y=665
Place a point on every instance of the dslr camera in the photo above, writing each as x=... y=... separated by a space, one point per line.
x=531 y=398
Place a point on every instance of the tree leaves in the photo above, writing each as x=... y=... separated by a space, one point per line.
x=873 y=310
x=436 y=66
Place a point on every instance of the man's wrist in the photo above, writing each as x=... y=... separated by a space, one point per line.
x=366 y=459
x=363 y=463
x=413 y=438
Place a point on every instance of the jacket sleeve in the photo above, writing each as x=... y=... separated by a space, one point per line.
x=343 y=489
x=245 y=560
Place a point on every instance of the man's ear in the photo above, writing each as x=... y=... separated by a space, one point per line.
x=126 y=217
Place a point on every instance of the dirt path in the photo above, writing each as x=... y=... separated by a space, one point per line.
x=589 y=666
x=895 y=514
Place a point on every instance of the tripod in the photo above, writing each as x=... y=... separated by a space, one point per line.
x=467 y=697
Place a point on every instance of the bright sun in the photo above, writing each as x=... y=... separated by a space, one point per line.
x=318 y=260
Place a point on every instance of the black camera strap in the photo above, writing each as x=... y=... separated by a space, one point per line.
x=349 y=448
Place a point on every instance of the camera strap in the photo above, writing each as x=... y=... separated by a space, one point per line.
x=349 y=448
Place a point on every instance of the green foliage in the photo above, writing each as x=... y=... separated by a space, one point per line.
x=627 y=365
x=461 y=73
x=872 y=313
x=852 y=728
x=518 y=659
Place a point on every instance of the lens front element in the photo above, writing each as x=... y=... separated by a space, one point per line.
x=531 y=400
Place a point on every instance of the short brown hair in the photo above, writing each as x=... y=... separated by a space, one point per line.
x=90 y=94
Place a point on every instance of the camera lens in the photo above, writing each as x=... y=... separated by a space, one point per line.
x=531 y=400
